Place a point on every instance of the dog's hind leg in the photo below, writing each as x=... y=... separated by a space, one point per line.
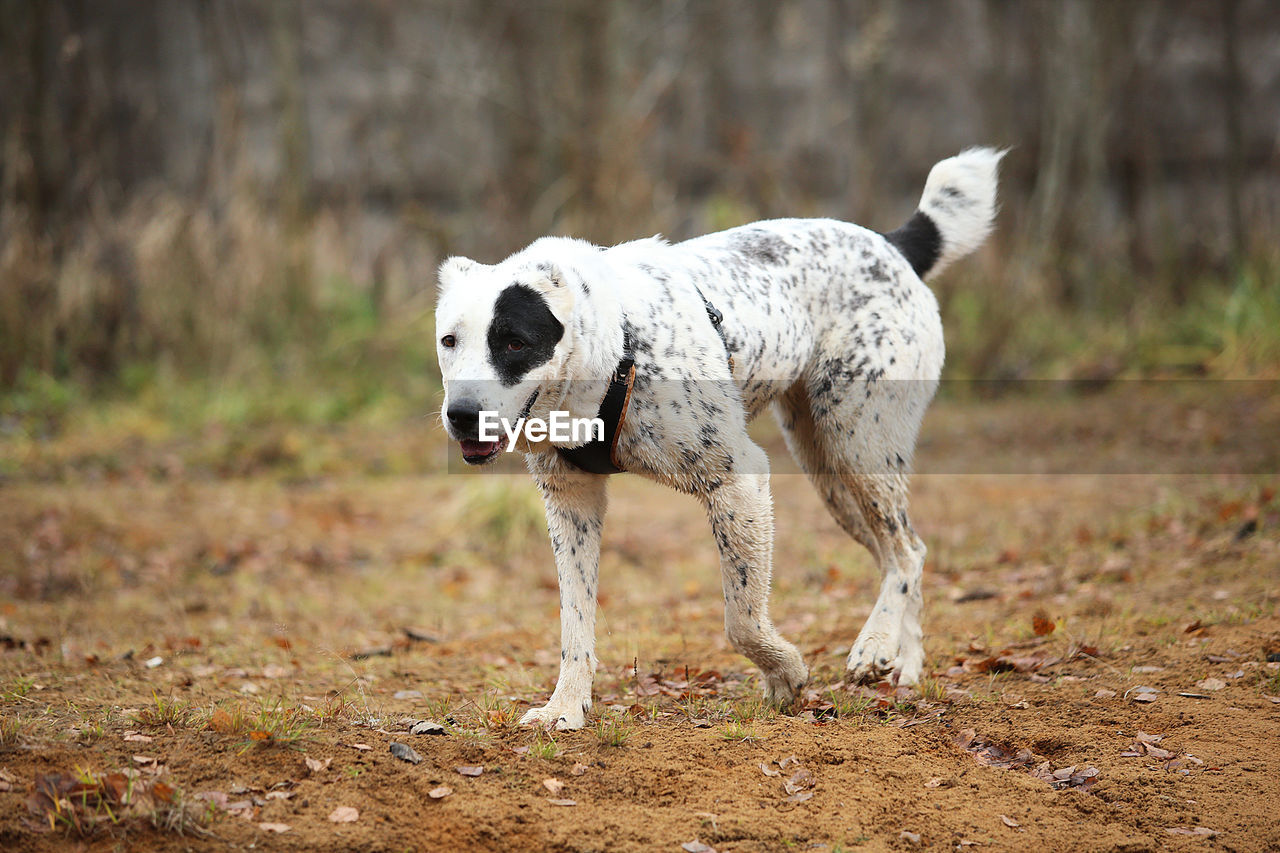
x=856 y=462
x=575 y=503
x=741 y=512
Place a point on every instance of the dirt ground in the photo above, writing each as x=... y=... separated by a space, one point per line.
x=203 y=652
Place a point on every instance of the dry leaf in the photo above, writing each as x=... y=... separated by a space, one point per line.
x=134 y=737
x=553 y=785
x=1010 y=822
x=1211 y=684
x=440 y=793
x=563 y=802
x=221 y=722
x=769 y=771
x=1042 y=624
x=578 y=769
x=405 y=753
x=315 y=765
x=274 y=827
x=935 y=782
x=799 y=781
x=344 y=814
x=427 y=727
x=799 y=797
x=697 y=846
x=913 y=837
x=363 y=747
x=1202 y=831
x=280 y=795
x=469 y=770
x=1105 y=694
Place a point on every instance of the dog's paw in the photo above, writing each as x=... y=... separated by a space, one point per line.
x=560 y=717
x=875 y=656
x=783 y=685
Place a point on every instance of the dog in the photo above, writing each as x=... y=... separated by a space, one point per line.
x=828 y=323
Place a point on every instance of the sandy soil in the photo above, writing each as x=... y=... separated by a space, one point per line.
x=238 y=635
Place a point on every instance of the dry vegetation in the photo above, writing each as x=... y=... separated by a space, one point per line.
x=193 y=657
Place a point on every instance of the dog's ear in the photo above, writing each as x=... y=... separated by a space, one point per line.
x=453 y=269
x=550 y=283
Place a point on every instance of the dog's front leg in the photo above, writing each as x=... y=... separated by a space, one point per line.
x=741 y=513
x=575 y=503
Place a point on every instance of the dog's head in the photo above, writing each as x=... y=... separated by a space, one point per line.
x=500 y=332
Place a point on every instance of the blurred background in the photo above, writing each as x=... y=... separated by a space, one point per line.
x=225 y=210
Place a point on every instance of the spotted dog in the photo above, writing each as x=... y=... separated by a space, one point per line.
x=828 y=323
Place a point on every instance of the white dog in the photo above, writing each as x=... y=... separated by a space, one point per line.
x=677 y=347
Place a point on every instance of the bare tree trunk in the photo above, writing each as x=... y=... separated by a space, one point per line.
x=1233 y=121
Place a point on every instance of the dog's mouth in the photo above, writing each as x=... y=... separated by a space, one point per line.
x=475 y=452
x=479 y=452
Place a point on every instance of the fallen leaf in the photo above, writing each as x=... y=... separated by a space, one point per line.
x=1211 y=684
x=134 y=737
x=221 y=722
x=427 y=727
x=799 y=781
x=788 y=761
x=315 y=765
x=280 y=795
x=1202 y=831
x=363 y=747
x=440 y=793
x=769 y=771
x=407 y=694
x=578 y=769
x=913 y=837
x=697 y=846
x=143 y=759
x=799 y=797
x=563 y=802
x=274 y=827
x=1144 y=694
x=553 y=785
x=1009 y=822
x=405 y=753
x=420 y=636
x=935 y=782
x=344 y=814
x=1042 y=624
x=469 y=770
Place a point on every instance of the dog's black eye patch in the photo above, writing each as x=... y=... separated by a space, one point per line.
x=521 y=314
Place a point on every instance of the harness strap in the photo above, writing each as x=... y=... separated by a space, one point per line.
x=597 y=455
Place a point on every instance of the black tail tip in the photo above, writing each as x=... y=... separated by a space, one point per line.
x=919 y=241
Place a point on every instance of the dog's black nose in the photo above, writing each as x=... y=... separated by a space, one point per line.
x=464 y=417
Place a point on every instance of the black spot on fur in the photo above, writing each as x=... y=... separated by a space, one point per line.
x=919 y=241
x=520 y=313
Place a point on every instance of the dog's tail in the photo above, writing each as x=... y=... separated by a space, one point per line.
x=955 y=213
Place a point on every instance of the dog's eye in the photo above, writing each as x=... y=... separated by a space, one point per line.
x=448 y=341
x=515 y=345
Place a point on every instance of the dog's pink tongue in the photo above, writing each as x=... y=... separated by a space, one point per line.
x=471 y=447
